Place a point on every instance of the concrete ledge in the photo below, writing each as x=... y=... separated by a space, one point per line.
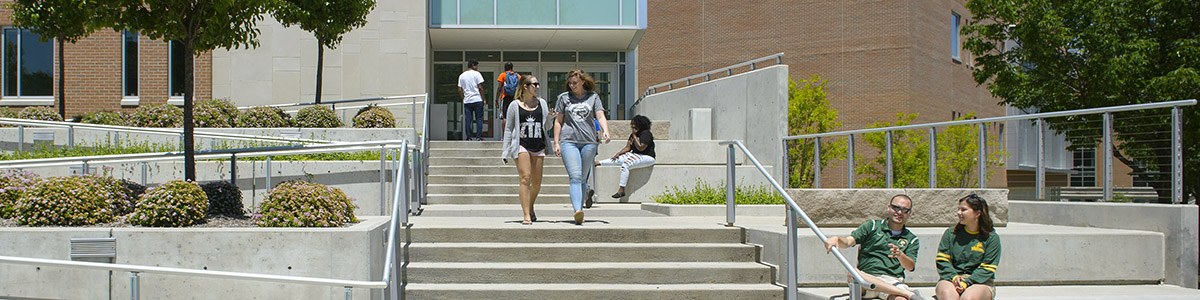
x=931 y=207
x=656 y=180
x=85 y=137
x=712 y=210
x=1032 y=255
x=1177 y=222
x=679 y=152
x=352 y=253
x=619 y=130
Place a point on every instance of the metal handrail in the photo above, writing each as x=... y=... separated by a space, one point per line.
x=792 y=272
x=361 y=106
x=207 y=154
x=753 y=64
x=397 y=219
x=156 y=131
x=336 y=101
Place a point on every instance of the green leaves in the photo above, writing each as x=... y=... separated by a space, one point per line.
x=328 y=20
x=809 y=112
x=957 y=156
x=66 y=20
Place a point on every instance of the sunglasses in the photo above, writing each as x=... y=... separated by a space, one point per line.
x=904 y=210
x=533 y=84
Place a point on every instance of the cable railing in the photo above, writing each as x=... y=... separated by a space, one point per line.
x=390 y=279
x=71 y=127
x=344 y=111
x=1103 y=127
x=706 y=76
x=792 y=273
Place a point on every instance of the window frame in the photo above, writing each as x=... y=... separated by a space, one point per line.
x=126 y=99
x=18 y=99
x=955 y=37
x=172 y=99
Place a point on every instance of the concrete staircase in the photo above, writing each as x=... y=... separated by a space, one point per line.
x=496 y=258
x=462 y=172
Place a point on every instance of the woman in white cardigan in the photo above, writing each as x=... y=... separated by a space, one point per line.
x=525 y=140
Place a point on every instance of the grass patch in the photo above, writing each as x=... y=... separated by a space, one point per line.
x=704 y=193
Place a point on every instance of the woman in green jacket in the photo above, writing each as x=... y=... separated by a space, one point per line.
x=969 y=254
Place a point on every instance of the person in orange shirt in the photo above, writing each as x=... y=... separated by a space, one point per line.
x=509 y=83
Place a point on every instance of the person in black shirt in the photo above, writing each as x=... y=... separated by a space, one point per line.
x=525 y=140
x=638 y=152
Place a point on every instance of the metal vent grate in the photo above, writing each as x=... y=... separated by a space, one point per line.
x=91 y=249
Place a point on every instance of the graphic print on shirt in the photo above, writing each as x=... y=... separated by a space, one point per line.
x=531 y=128
x=579 y=111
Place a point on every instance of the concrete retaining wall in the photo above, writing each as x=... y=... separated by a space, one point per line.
x=9 y=136
x=931 y=207
x=351 y=253
x=1178 y=223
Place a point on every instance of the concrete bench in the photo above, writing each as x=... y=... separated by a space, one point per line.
x=1137 y=193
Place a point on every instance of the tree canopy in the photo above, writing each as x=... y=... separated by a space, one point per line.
x=1054 y=55
x=809 y=112
x=64 y=20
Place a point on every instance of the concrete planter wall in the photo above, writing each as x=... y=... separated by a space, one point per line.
x=931 y=207
x=351 y=253
x=82 y=137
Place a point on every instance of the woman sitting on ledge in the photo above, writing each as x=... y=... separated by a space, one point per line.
x=969 y=254
x=638 y=152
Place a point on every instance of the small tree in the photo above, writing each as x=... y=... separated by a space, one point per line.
x=199 y=26
x=808 y=113
x=327 y=20
x=67 y=21
x=957 y=156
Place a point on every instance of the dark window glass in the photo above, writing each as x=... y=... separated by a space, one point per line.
x=445 y=91
x=10 y=61
x=28 y=64
x=621 y=56
x=447 y=56
x=177 y=61
x=130 y=64
x=558 y=56
x=597 y=56
x=484 y=55
x=520 y=56
x=1084 y=167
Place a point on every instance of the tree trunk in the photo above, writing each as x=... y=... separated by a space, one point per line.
x=189 y=154
x=62 y=98
x=320 y=66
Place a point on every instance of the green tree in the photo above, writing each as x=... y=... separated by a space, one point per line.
x=1053 y=55
x=957 y=156
x=66 y=21
x=808 y=113
x=327 y=20
x=199 y=26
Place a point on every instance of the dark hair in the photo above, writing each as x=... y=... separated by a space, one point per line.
x=641 y=122
x=980 y=205
x=472 y=63
x=905 y=197
x=508 y=66
x=589 y=84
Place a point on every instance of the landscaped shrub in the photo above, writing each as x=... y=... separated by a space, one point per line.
x=703 y=193
x=317 y=117
x=304 y=204
x=6 y=113
x=135 y=189
x=104 y=118
x=44 y=113
x=65 y=201
x=13 y=186
x=158 y=115
x=214 y=113
x=224 y=198
x=174 y=204
x=264 y=117
x=123 y=199
x=374 y=116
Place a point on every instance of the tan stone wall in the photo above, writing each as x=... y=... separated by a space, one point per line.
x=931 y=207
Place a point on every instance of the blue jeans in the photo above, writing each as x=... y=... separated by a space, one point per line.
x=473 y=114
x=580 y=161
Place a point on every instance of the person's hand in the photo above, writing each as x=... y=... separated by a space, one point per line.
x=830 y=243
x=505 y=160
x=557 y=151
x=959 y=284
x=607 y=138
x=894 y=252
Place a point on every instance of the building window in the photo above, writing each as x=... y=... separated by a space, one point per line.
x=28 y=64
x=955 y=27
x=129 y=63
x=1083 y=168
x=177 y=77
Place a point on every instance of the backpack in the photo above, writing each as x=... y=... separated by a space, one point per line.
x=511 y=80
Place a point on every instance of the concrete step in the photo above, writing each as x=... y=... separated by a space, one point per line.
x=460 y=152
x=569 y=234
x=593 y=291
x=489 y=161
x=573 y=252
x=495 y=189
x=488 y=170
x=1101 y=292
x=513 y=198
x=548 y=213
x=466 y=144
x=495 y=179
x=589 y=272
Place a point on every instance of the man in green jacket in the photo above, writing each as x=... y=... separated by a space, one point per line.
x=887 y=249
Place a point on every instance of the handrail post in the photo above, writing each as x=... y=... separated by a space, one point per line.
x=134 y=289
x=816 y=163
x=268 y=166
x=20 y=138
x=786 y=175
x=730 y=184
x=382 y=179
x=233 y=168
x=982 y=163
x=933 y=157
x=85 y=168
x=888 y=148
x=850 y=162
x=855 y=290
x=403 y=201
x=792 y=273
x=70 y=137
x=1040 y=177
x=349 y=293
x=144 y=172
x=1108 y=164
x=1176 y=155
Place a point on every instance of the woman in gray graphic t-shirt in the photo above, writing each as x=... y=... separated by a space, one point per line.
x=575 y=138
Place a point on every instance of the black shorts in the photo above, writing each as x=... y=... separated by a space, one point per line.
x=508 y=99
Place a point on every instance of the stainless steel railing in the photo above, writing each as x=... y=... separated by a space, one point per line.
x=389 y=282
x=706 y=76
x=71 y=126
x=981 y=163
x=344 y=110
x=792 y=273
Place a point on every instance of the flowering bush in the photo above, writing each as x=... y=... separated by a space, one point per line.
x=13 y=185
x=374 y=116
x=123 y=198
x=317 y=117
x=135 y=189
x=224 y=198
x=214 y=113
x=44 y=113
x=305 y=204
x=105 y=118
x=158 y=115
x=174 y=204
x=264 y=117
x=5 y=113
x=67 y=200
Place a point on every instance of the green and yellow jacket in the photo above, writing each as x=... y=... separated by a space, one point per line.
x=969 y=254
